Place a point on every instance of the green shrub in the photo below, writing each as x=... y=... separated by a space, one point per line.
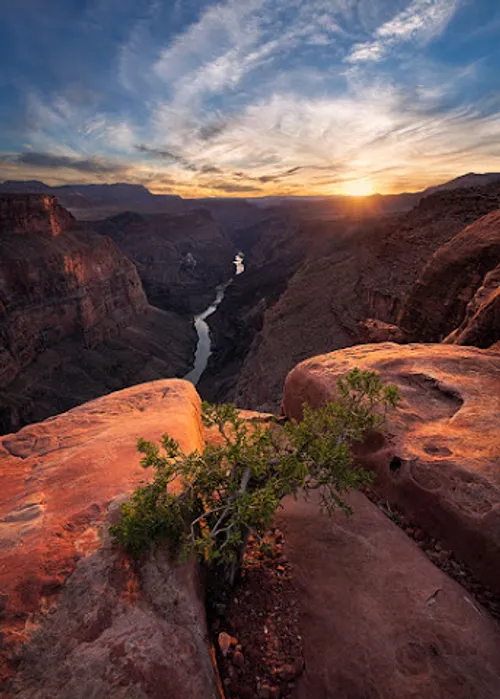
x=210 y=503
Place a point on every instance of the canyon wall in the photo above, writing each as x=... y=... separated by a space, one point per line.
x=352 y=271
x=66 y=297
x=180 y=258
x=462 y=271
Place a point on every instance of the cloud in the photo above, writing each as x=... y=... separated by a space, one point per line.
x=422 y=20
x=96 y=166
x=266 y=96
x=168 y=156
x=233 y=188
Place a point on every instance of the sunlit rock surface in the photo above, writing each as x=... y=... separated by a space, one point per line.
x=440 y=459
x=77 y=619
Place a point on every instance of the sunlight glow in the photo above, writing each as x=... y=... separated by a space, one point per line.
x=358 y=188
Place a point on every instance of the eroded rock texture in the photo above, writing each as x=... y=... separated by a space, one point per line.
x=353 y=272
x=180 y=258
x=458 y=289
x=440 y=461
x=378 y=619
x=74 y=319
x=77 y=619
x=58 y=281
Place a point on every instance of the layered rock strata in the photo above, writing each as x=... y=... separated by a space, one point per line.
x=74 y=319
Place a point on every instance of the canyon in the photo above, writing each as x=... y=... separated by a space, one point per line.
x=318 y=277
x=97 y=330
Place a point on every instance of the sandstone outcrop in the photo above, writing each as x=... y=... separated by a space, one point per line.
x=373 y=330
x=461 y=273
x=440 y=460
x=77 y=619
x=378 y=619
x=180 y=258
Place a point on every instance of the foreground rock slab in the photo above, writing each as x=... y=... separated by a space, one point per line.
x=440 y=459
x=78 y=620
x=379 y=621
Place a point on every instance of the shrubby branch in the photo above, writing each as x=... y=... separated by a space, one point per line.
x=209 y=503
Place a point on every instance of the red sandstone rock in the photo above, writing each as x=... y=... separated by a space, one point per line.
x=374 y=330
x=379 y=621
x=481 y=325
x=437 y=304
x=78 y=620
x=57 y=281
x=440 y=460
x=351 y=271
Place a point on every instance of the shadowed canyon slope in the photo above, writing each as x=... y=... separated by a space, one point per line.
x=355 y=271
x=463 y=272
x=74 y=319
x=180 y=259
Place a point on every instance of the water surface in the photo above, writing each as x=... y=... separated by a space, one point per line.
x=204 y=346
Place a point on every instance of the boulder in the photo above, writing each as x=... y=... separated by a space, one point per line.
x=78 y=618
x=439 y=460
x=378 y=619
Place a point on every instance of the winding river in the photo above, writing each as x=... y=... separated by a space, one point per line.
x=204 y=346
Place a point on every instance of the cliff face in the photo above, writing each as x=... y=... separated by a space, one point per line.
x=460 y=273
x=74 y=318
x=352 y=271
x=57 y=281
x=34 y=213
x=180 y=258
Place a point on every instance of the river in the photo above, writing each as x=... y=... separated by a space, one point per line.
x=204 y=346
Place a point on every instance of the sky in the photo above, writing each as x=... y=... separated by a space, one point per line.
x=250 y=97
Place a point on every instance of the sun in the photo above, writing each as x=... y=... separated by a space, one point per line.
x=358 y=188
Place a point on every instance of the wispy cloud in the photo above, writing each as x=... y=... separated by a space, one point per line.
x=422 y=20
x=266 y=96
x=96 y=166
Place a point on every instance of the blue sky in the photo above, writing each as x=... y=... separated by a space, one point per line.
x=250 y=97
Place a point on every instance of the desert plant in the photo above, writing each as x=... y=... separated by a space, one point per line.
x=209 y=503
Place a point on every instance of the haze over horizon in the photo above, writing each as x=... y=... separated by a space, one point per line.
x=255 y=98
